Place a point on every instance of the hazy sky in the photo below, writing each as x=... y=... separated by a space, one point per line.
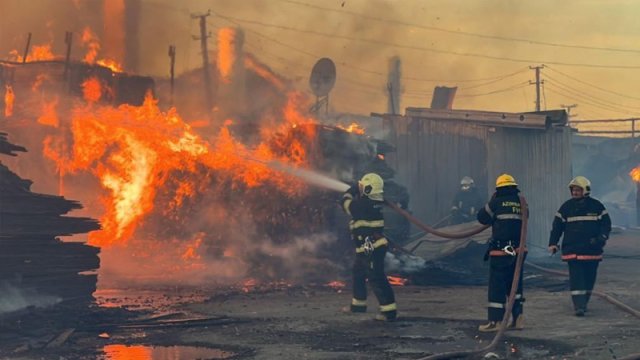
x=361 y=35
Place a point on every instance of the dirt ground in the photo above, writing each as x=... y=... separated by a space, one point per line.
x=305 y=322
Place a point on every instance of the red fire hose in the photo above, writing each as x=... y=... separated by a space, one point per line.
x=514 y=284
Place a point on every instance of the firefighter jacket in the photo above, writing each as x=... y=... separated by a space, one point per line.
x=504 y=214
x=467 y=202
x=367 y=221
x=585 y=224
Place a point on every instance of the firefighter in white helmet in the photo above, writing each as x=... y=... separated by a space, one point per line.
x=466 y=203
x=364 y=203
x=586 y=225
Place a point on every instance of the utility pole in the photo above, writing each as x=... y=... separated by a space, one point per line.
x=568 y=108
x=172 y=62
x=204 y=35
x=393 y=86
x=537 y=82
x=26 y=49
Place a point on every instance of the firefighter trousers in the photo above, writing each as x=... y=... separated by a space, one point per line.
x=371 y=267
x=582 y=277
x=501 y=271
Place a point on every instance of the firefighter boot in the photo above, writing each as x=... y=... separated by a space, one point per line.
x=491 y=326
x=517 y=323
x=386 y=317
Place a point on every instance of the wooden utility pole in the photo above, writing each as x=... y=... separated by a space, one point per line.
x=204 y=35
x=26 y=49
x=537 y=82
x=393 y=86
x=68 y=39
x=172 y=56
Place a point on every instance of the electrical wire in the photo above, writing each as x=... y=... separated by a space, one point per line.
x=589 y=84
x=464 y=33
x=514 y=87
x=419 y=48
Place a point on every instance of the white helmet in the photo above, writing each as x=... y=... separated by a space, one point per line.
x=371 y=185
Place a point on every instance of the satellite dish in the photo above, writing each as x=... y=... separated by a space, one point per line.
x=323 y=77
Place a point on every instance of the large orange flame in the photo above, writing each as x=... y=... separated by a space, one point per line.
x=9 y=98
x=37 y=53
x=133 y=151
x=353 y=128
x=90 y=40
x=635 y=174
x=226 y=52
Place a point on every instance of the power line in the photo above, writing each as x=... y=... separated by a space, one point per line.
x=495 y=80
x=590 y=97
x=423 y=49
x=372 y=72
x=582 y=101
x=464 y=33
x=592 y=85
x=517 y=86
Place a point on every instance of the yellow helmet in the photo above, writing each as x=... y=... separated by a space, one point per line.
x=583 y=183
x=372 y=185
x=505 y=180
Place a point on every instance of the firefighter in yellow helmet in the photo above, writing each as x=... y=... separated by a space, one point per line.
x=586 y=225
x=504 y=213
x=364 y=203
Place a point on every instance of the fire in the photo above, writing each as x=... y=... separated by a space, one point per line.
x=336 y=285
x=92 y=43
x=397 y=281
x=111 y=64
x=134 y=150
x=635 y=174
x=49 y=115
x=353 y=128
x=227 y=55
x=114 y=31
x=37 y=53
x=92 y=90
x=9 y=98
x=124 y=352
x=249 y=285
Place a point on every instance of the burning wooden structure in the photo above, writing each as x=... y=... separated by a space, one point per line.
x=436 y=148
x=34 y=262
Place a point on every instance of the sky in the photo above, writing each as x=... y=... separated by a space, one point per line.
x=590 y=48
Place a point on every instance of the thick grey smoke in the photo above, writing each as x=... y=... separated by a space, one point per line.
x=13 y=298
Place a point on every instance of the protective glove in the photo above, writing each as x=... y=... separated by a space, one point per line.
x=553 y=249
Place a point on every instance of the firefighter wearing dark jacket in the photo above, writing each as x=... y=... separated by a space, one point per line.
x=504 y=214
x=364 y=204
x=586 y=226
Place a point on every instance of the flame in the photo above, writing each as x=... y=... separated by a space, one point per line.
x=397 y=281
x=353 y=128
x=336 y=285
x=92 y=43
x=249 y=285
x=92 y=89
x=226 y=52
x=111 y=64
x=114 y=30
x=635 y=174
x=49 y=115
x=125 y=352
x=36 y=53
x=133 y=160
x=9 y=98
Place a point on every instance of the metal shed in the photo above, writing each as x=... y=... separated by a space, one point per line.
x=436 y=148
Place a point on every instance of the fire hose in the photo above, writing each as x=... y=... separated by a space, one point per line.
x=514 y=284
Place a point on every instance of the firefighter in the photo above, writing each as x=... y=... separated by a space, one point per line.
x=364 y=203
x=504 y=213
x=467 y=202
x=586 y=225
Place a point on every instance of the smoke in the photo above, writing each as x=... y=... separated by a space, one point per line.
x=13 y=298
x=404 y=263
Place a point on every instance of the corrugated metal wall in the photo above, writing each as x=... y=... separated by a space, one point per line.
x=432 y=156
x=541 y=163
